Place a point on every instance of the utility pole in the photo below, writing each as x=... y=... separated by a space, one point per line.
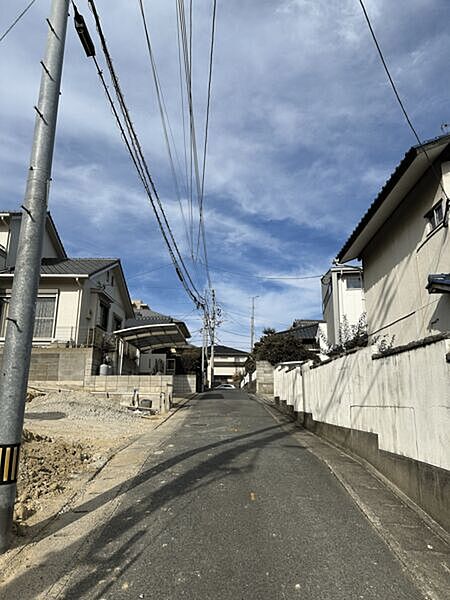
x=202 y=385
x=19 y=332
x=252 y=324
x=213 y=333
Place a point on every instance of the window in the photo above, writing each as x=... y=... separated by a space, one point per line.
x=45 y=316
x=103 y=315
x=436 y=215
x=44 y=319
x=353 y=282
x=117 y=323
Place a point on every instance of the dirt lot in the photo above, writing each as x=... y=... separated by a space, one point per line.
x=67 y=435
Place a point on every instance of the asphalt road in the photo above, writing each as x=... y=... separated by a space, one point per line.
x=232 y=507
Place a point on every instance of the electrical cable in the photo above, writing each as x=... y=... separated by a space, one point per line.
x=17 y=19
x=399 y=100
x=268 y=277
x=164 y=116
x=208 y=103
x=135 y=151
x=138 y=150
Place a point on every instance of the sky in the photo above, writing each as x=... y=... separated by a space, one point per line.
x=304 y=131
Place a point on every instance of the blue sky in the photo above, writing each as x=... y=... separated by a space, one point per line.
x=304 y=132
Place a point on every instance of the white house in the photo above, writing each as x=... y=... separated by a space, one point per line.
x=80 y=300
x=404 y=244
x=342 y=299
x=228 y=363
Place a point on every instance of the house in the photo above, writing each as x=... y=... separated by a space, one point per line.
x=229 y=364
x=343 y=302
x=310 y=333
x=81 y=301
x=404 y=244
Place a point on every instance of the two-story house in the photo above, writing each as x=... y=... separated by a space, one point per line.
x=404 y=244
x=80 y=300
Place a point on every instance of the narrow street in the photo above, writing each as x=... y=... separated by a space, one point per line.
x=231 y=506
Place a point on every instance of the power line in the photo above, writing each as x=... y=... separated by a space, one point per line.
x=142 y=161
x=164 y=115
x=269 y=277
x=133 y=147
x=211 y=53
x=17 y=19
x=187 y=53
x=399 y=100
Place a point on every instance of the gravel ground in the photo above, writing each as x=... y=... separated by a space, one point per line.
x=67 y=434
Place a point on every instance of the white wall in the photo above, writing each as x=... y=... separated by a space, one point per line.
x=342 y=302
x=403 y=398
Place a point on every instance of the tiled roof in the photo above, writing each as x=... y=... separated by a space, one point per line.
x=150 y=316
x=227 y=351
x=306 y=332
x=399 y=172
x=72 y=266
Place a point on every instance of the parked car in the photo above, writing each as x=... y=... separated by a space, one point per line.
x=225 y=386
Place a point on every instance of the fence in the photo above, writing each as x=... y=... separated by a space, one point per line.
x=394 y=411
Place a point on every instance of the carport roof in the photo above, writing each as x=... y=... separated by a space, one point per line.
x=151 y=336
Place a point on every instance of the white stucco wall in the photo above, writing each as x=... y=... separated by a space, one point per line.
x=343 y=302
x=404 y=398
x=397 y=263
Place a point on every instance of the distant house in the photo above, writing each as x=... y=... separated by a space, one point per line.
x=404 y=244
x=343 y=299
x=309 y=332
x=80 y=300
x=228 y=363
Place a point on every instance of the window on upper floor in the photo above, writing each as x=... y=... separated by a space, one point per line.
x=117 y=323
x=103 y=315
x=436 y=215
x=353 y=282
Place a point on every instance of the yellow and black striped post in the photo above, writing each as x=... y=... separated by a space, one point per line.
x=9 y=463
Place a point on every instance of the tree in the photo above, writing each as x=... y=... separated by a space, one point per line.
x=277 y=347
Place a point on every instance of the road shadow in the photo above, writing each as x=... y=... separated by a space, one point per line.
x=213 y=468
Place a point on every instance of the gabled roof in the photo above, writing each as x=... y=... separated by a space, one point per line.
x=71 y=266
x=413 y=166
x=305 y=332
x=227 y=351
x=50 y=227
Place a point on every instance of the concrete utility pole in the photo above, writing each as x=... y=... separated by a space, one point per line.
x=252 y=324
x=19 y=333
x=213 y=335
x=202 y=386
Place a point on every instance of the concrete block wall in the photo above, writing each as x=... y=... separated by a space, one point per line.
x=183 y=385
x=264 y=377
x=62 y=364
